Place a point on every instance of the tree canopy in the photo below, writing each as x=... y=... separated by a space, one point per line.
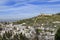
x=57 y=35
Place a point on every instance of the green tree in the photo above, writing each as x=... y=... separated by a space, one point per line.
x=57 y=35
x=0 y=37
x=4 y=37
x=16 y=37
x=23 y=37
x=7 y=35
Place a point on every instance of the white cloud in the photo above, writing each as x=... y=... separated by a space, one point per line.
x=20 y=2
x=28 y=10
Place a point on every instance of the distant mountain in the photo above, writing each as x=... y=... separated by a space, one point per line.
x=44 y=18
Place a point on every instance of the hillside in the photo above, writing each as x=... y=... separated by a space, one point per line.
x=58 y=14
x=40 y=19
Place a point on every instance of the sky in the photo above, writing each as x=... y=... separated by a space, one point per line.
x=20 y=9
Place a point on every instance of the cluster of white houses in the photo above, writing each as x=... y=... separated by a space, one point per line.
x=45 y=33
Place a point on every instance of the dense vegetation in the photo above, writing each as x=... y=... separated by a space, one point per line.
x=57 y=35
x=9 y=36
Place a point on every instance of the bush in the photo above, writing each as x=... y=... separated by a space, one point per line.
x=57 y=35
